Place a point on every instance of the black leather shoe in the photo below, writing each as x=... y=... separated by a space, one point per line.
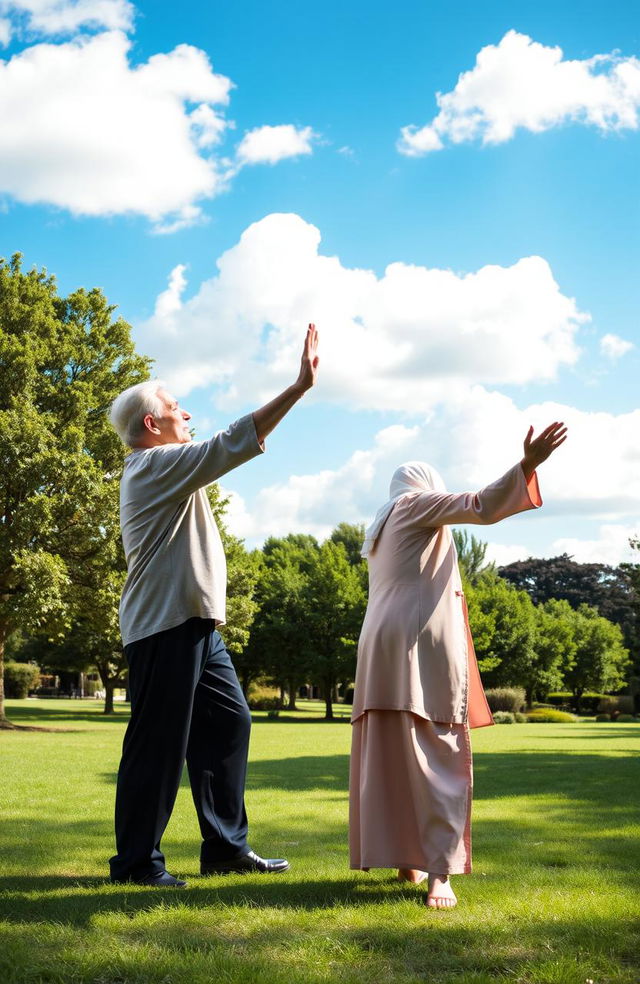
x=163 y=880
x=246 y=865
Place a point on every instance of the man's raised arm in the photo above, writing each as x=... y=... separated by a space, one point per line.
x=270 y=415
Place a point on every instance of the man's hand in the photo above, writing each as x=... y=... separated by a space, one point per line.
x=538 y=449
x=270 y=415
x=309 y=362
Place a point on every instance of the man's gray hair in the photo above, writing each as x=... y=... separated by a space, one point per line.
x=130 y=408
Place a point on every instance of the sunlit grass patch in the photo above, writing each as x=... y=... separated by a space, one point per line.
x=553 y=899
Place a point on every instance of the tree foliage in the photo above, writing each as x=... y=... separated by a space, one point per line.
x=471 y=555
x=632 y=574
x=63 y=361
x=335 y=603
x=542 y=647
x=554 y=649
x=278 y=645
x=503 y=625
x=600 y=657
x=351 y=536
x=611 y=590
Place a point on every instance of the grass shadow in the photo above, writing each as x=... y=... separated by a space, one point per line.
x=73 y=712
x=322 y=930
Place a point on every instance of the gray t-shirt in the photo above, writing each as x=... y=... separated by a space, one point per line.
x=175 y=561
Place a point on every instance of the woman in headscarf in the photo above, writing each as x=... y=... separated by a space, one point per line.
x=418 y=689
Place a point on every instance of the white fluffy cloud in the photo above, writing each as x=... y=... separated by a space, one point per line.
x=520 y=83
x=86 y=130
x=169 y=301
x=270 y=144
x=614 y=347
x=5 y=31
x=610 y=547
x=66 y=16
x=398 y=342
x=101 y=137
x=502 y=554
x=472 y=440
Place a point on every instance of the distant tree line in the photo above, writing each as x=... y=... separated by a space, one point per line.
x=296 y=607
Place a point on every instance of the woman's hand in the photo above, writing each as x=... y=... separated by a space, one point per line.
x=538 y=449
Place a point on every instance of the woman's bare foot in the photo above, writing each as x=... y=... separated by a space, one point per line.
x=440 y=894
x=413 y=875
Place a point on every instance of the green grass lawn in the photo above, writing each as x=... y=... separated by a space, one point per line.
x=553 y=899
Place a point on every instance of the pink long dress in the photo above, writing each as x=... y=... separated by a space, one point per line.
x=418 y=689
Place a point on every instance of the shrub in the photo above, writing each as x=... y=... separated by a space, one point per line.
x=625 y=718
x=273 y=714
x=19 y=678
x=603 y=717
x=259 y=689
x=520 y=717
x=616 y=705
x=506 y=699
x=588 y=702
x=548 y=715
x=503 y=717
x=560 y=701
x=264 y=704
x=262 y=698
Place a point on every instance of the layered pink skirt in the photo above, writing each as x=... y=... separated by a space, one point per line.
x=410 y=793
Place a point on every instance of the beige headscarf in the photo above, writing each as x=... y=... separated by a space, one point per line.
x=409 y=478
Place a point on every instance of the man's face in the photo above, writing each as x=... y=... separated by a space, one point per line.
x=173 y=422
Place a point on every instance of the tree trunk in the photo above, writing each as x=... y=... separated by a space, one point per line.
x=282 y=694
x=328 y=700
x=4 y=632
x=109 y=682
x=577 y=697
x=245 y=680
x=109 y=687
x=291 y=706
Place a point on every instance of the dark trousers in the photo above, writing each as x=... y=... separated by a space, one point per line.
x=186 y=702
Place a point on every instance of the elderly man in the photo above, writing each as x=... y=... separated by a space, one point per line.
x=186 y=701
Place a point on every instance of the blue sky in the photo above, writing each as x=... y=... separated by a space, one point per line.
x=472 y=276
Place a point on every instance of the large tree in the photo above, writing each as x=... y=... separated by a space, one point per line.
x=92 y=639
x=632 y=574
x=600 y=658
x=63 y=361
x=351 y=536
x=334 y=610
x=278 y=646
x=554 y=649
x=609 y=589
x=502 y=622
